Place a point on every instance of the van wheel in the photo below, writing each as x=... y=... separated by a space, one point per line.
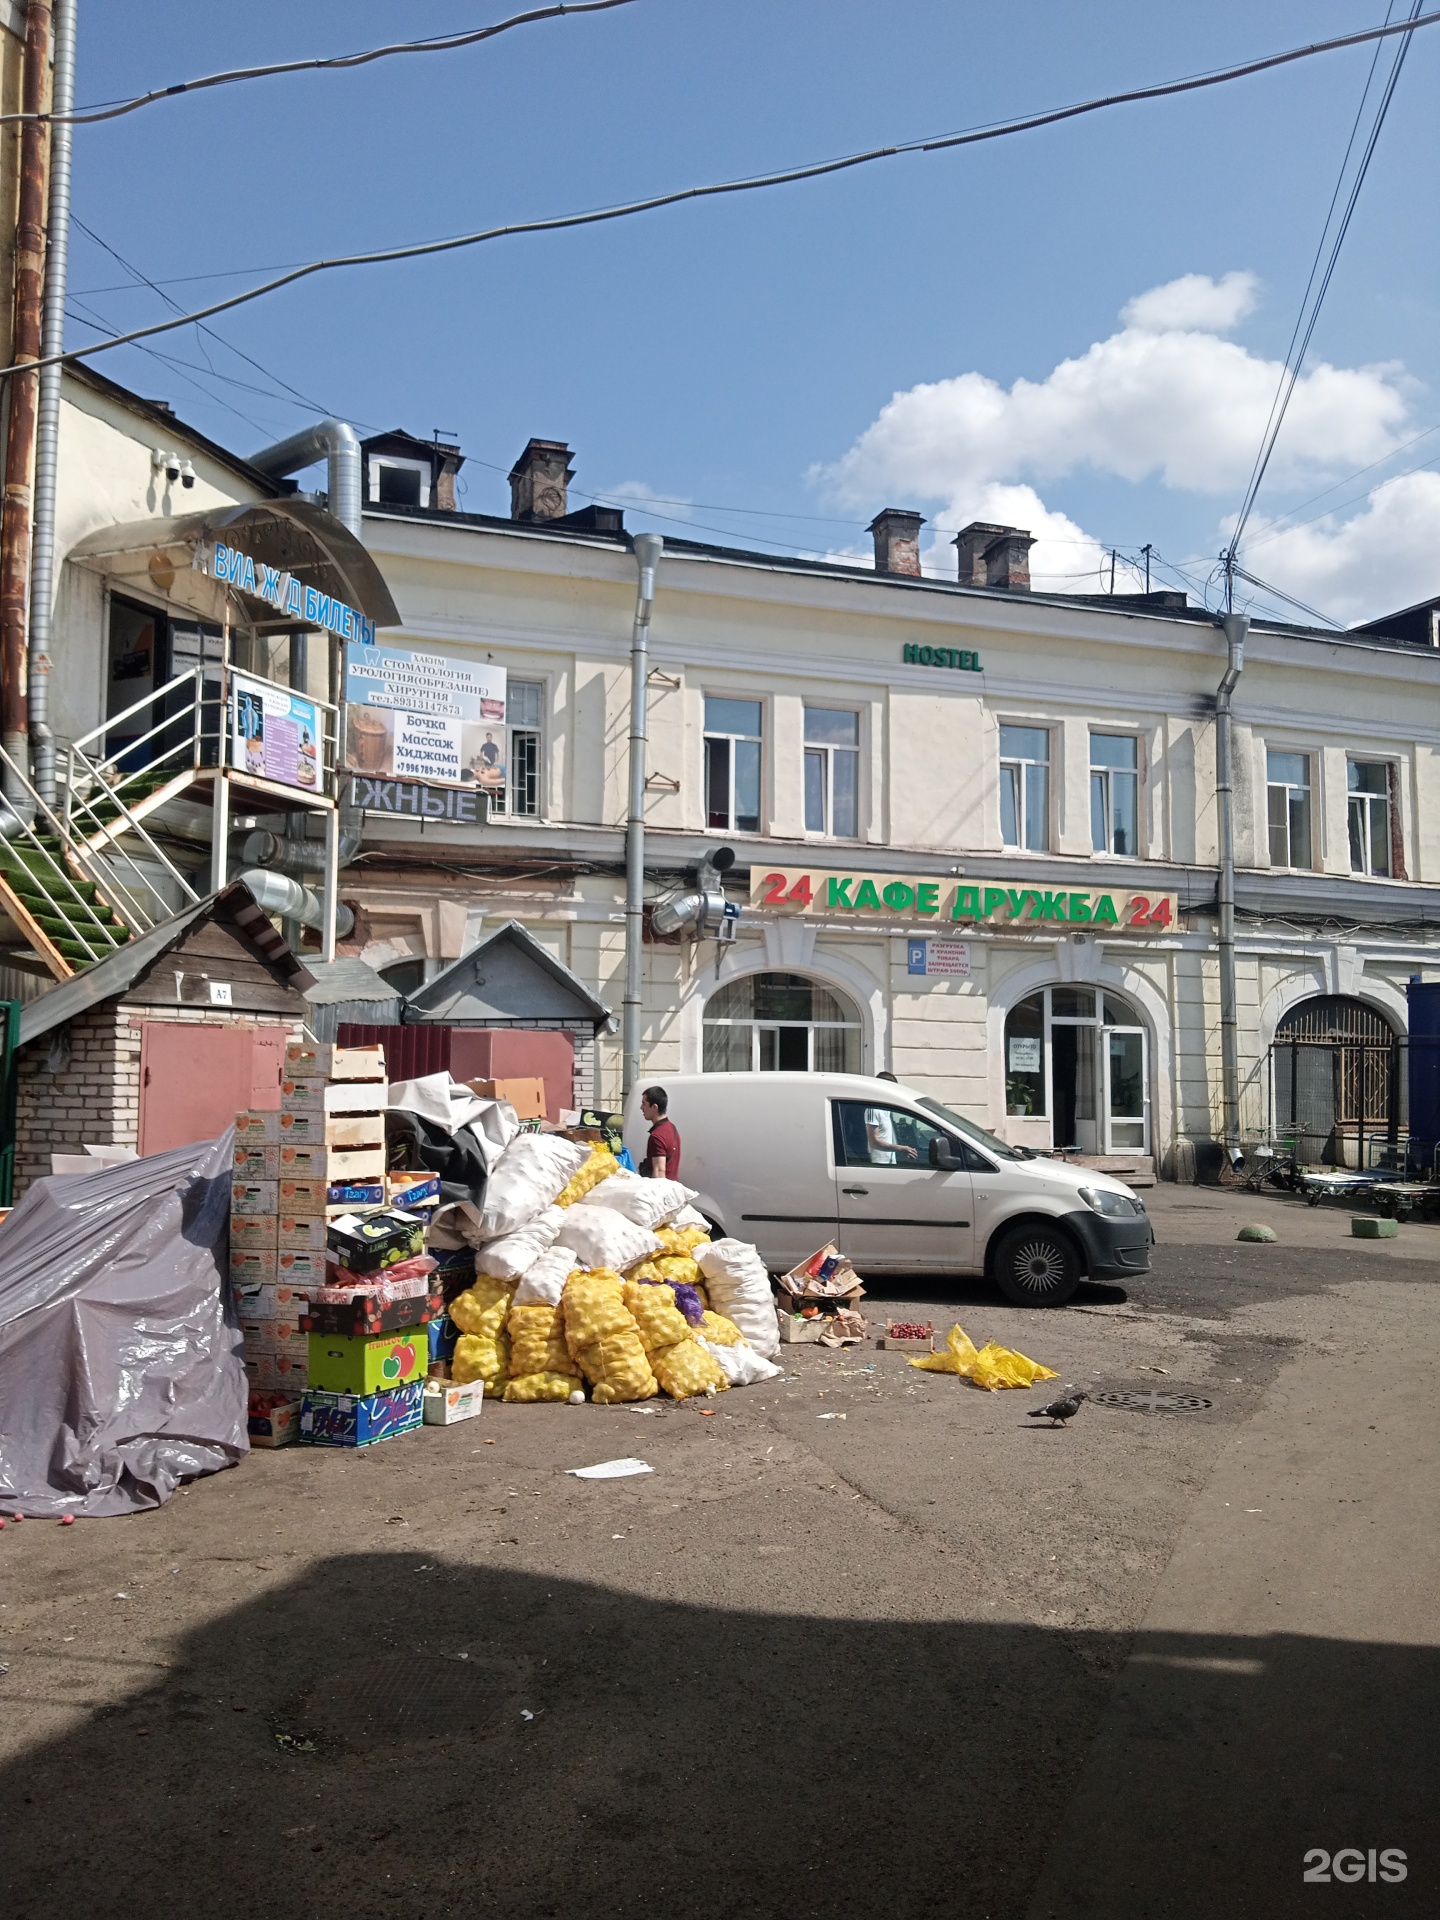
x=1035 y=1266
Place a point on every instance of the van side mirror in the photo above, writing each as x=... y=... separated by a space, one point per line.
x=942 y=1155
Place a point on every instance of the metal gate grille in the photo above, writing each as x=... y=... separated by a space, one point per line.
x=1336 y=1081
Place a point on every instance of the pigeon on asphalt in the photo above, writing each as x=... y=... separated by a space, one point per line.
x=1060 y=1411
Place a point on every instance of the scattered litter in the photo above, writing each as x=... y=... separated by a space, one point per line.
x=611 y=1470
x=1254 y=1509
x=141 y=1732
x=122 y=1596
x=526 y=1714
x=289 y=1741
x=67 y=1519
x=4 y=1666
x=831 y=1416
x=1151 y=1370
x=617 y=1536
x=708 y=1413
x=991 y=1366
x=462 y=1656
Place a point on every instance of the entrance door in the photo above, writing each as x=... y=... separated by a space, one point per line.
x=1127 y=1085
x=194 y=1079
x=783 y=1049
x=897 y=1212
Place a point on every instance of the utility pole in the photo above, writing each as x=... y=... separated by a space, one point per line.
x=1146 y=550
x=1236 y=626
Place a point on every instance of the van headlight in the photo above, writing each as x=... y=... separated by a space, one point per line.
x=1122 y=1206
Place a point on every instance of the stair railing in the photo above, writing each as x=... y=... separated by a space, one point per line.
x=50 y=876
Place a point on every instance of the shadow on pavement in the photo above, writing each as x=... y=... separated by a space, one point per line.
x=683 y=1760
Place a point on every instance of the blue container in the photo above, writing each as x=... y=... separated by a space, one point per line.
x=359 y=1420
x=1424 y=1071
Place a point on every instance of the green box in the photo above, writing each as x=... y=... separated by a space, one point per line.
x=368 y=1362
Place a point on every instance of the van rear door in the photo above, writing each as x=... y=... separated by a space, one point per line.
x=897 y=1212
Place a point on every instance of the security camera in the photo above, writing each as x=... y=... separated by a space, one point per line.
x=172 y=467
x=187 y=474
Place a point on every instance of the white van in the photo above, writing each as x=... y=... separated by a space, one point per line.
x=901 y=1184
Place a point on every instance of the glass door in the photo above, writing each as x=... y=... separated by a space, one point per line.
x=1127 y=1116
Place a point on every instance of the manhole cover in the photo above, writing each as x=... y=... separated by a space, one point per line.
x=1153 y=1400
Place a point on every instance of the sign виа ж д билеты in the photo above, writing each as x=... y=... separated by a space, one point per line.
x=890 y=896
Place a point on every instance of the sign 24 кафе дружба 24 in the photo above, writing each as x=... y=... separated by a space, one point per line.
x=888 y=896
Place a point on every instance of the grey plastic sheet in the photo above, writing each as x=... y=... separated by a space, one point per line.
x=121 y=1361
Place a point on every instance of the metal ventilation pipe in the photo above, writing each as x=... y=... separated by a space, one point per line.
x=648 y=548
x=278 y=893
x=284 y=853
x=47 y=431
x=703 y=907
x=1236 y=626
x=333 y=441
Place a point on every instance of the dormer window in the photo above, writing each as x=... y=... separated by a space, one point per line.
x=397 y=482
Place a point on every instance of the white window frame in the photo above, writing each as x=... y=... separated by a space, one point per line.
x=1021 y=808
x=1106 y=774
x=506 y=812
x=1387 y=799
x=826 y=753
x=758 y=739
x=399 y=464
x=1312 y=761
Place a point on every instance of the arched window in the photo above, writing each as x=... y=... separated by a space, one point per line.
x=1335 y=1079
x=1078 y=1057
x=781 y=1022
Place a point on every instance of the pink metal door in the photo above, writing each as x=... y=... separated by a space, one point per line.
x=192 y=1081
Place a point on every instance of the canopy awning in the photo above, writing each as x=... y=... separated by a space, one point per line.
x=174 y=557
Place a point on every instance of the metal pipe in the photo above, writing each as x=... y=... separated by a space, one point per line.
x=47 y=440
x=333 y=441
x=277 y=893
x=648 y=547
x=1236 y=626
x=20 y=430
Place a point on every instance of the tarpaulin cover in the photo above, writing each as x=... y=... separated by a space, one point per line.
x=121 y=1367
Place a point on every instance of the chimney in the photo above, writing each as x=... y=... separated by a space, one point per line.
x=538 y=481
x=897 y=541
x=994 y=556
x=448 y=463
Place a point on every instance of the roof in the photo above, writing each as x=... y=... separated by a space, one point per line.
x=508 y=976
x=347 y=979
x=161 y=416
x=107 y=979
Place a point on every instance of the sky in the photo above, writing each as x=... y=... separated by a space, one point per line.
x=1078 y=330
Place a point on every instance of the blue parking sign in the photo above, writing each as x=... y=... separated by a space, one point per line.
x=916 y=960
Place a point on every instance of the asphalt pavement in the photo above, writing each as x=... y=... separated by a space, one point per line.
x=864 y=1637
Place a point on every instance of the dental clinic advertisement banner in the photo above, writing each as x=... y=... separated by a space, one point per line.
x=893 y=896
x=274 y=735
x=418 y=716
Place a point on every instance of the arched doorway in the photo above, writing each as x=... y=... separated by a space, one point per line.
x=1080 y=1056
x=780 y=1022
x=1335 y=1079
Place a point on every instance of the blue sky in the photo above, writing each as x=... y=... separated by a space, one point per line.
x=742 y=355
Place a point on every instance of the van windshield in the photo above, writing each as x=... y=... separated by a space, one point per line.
x=977 y=1134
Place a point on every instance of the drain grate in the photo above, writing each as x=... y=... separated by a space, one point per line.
x=1153 y=1400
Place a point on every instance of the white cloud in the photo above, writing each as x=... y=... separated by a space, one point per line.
x=1386 y=557
x=1194 y=300
x=636 y=494
x=1165 y=397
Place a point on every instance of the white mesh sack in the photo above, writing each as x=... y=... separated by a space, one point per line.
x=515 y=1253
x=741 y=1365
x=544 y=1282
x=649 y=1203
x=739 y=1287
x=690 y=1217
x=526 y=1178
x=604 y=1238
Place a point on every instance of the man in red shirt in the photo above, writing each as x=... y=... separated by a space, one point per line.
x=662 y=1152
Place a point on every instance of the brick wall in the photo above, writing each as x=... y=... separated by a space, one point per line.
x=95 y=1095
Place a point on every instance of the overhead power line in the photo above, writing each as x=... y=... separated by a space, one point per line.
x=786 y=177
x=445 y=43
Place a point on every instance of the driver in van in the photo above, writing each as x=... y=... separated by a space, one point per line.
x=885 y=1149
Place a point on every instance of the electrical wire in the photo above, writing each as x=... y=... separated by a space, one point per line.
x=446 y=43
x=786 y=177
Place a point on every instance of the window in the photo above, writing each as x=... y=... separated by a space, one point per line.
x=1288 y=786
x=406 y=976
x=1079 y=1058
x=1114 y=793
x=1025 y=787
x=832 y=772
x=1369 y=785
x=867 y=1136
x=780 y=1022
x=396 y=482
x=524 y=706
x=732 y=765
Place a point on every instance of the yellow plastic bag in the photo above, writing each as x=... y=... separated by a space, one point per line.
x=482 y=1356
x=723 y=1332
x=601 y=1164
x=678 y=1268
x=594 y=1306
x=686 y=1368
x=537 y=1342
x=617 y=1368
x=992 y=1366
x=474 y=1311
x=655 y=1313
x=542 y=1386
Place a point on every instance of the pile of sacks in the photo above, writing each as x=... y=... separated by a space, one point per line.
x=586 y=1274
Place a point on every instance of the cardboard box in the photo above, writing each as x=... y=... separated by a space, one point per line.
x=302 y=1129
x=285 y=1370
x=797 y=1331
x=256 y=1163
x=301 y=1233
x=254 y=1231
x=323 y=1060
x=355 y=1193
x=353 y=1420
x=301 y=1160
x=268 y=1299
x=258 y=1127
x=302 y=1198
x=527 y=1096
x=350 y=1130
x=275 y=1333
x=301 y=1265
x=910 y=1336
x=254 y=1196
x=407 y=1191
x=320 y=1097
x=273 y=1417
x=368 y=1243
x=365 y=1315
x=252 y=1266
x=445 y=1401
x=354 y=1163
x=368 y=1362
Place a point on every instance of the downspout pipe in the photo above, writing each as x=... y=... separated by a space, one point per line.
x=20 y=428
x=1235 y=626
x=47 y=438
x=648 y=548
x=334 y=442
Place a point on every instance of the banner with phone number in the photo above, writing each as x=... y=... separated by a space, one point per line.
x=888 y=896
